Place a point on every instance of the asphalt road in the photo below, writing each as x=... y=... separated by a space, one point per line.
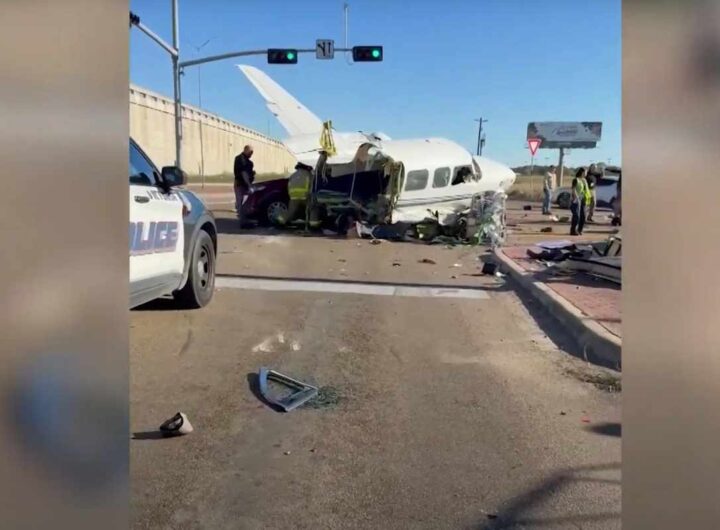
x=450 y=413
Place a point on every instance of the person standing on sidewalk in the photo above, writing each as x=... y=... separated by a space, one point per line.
x=593 y=176
x=548 y=187
x=617 y=204
x=244 y=176
x=577 y=204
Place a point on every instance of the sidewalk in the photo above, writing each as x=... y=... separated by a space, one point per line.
x=588 y=307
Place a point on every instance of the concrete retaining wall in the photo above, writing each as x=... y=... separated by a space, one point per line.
x=152 y=126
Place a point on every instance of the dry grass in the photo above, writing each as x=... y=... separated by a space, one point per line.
x=529 y=188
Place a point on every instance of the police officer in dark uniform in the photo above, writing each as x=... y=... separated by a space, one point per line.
x=244 y=177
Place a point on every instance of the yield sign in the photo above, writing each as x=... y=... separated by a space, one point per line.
x=533 y=144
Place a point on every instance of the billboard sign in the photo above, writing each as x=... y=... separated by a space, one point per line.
x=556 y=134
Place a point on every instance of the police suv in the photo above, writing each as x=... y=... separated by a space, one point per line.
x=173 y=236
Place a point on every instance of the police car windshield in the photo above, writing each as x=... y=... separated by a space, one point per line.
x=141 y=171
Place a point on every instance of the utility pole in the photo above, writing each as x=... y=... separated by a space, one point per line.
x=481 y=140
x=176 y=84
x=561 y=161
x=202 y=154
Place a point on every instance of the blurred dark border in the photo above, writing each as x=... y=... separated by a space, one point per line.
x=63 y=145
x=671 y=298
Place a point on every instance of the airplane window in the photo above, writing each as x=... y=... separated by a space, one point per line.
x=417 y=180
x=441 y=177
x=462 y=174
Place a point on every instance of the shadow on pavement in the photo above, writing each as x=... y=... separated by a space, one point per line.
x=161 y=304
x=607 y=429
x=148 y=435
x=516 y=513
x=548 y=323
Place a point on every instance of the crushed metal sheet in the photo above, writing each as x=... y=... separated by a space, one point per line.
x=489 y=268
x=302 y=391
x=327 y=396
x=555 y=244
x=607 y=268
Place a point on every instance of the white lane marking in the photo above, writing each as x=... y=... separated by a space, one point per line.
x=348 y=288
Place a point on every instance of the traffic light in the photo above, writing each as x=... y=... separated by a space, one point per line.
x=367 y=53
x=282 y=56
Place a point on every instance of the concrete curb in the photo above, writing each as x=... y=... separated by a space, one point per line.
x=597 y=343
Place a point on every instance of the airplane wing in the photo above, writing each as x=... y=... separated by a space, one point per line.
x=295 y=118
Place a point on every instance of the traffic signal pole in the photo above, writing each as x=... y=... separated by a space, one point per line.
x=360 y=53
x=264 y=51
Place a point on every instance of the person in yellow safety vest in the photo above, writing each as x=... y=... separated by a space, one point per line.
x=581 y=195
x=298 y=186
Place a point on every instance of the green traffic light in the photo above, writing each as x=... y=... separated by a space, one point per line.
x=376 y=53
x=290 y=56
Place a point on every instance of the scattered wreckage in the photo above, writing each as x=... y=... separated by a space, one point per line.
x=601 y=260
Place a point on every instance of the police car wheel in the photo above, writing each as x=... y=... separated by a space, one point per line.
x=198 y=289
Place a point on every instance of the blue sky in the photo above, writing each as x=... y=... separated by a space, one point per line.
x=446 y=63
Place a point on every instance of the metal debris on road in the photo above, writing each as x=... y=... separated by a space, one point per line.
x=327 y=396
x=489 y=268
x=301 y=392
x=428 y=261
x=527 y=207
x=375 y=241
x=176 y=426
x=546 y=230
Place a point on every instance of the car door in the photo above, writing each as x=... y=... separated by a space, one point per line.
x=156 y=234
x=606 y=190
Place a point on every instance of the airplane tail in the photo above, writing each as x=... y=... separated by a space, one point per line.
x=295 y=118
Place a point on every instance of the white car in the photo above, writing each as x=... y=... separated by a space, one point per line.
x=606 y=192
x=172 y=236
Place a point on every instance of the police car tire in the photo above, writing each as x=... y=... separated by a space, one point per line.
x=198 y=290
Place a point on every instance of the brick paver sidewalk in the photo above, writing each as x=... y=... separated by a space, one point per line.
x=598 y=299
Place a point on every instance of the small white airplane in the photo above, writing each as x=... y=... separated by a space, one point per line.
x=425 y=178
